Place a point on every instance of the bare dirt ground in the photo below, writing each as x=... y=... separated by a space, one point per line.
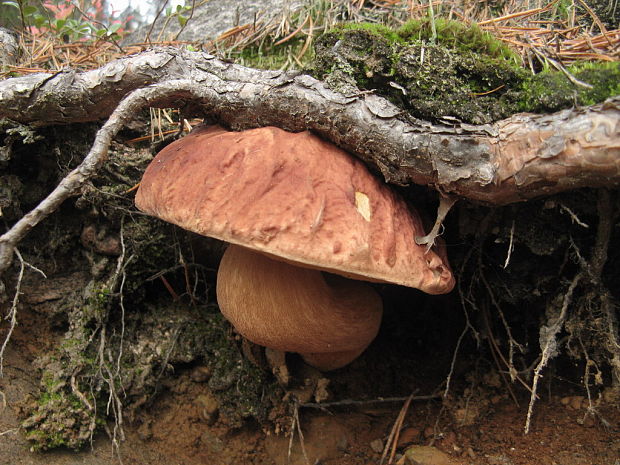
x=177 y=429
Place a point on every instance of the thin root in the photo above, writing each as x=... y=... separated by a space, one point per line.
x=445 y=204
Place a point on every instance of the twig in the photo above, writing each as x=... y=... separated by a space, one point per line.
x=176 y=267
x=147 y=39
x=557 y=65
x=93 y=20
x=191 y=15
x=597 y=21
x=380 y=400
x=169 y=288
x=520 y=14
x=392 y=441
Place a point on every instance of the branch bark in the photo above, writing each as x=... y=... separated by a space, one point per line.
x=517 y=159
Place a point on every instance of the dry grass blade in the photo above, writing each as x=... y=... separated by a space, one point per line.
x=306 y=46
x=294 y=33
x=517 y=15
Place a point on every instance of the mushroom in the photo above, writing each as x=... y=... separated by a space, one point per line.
x=306 y=223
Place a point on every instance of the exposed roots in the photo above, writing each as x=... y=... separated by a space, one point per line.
x=12 y=313
x=593 y=313
x=549 y=343
x=581 y=319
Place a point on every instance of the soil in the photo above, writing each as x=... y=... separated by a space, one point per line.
x=179 y=426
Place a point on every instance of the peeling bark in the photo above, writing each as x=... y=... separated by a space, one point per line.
x=517 y=159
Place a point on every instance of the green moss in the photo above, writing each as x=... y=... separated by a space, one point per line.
x=60 y=420
x=554 y=90
x=45 y=441
x=455 y=35
x=58 y=416
x=463 y=73
x=380 y=30
x=429 y=80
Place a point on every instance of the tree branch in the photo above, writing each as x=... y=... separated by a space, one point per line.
x=523 y=157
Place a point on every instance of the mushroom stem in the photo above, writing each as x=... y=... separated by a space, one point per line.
x=329 y=320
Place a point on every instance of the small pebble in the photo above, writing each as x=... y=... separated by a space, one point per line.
x=210 y=407
x=408 y=436
x=377 y=446
x=576 y=402
x=427 y=455
x=200 y=374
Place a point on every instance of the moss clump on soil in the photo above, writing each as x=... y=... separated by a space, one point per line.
x=452 y=70
x=88 y=369
x=456 y=36
x=164 y=336
x=553 y=90
x=65 y=412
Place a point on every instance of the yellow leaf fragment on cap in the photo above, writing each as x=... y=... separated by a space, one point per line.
x=362 y=203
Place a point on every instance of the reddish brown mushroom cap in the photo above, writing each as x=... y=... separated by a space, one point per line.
x=295 y=197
